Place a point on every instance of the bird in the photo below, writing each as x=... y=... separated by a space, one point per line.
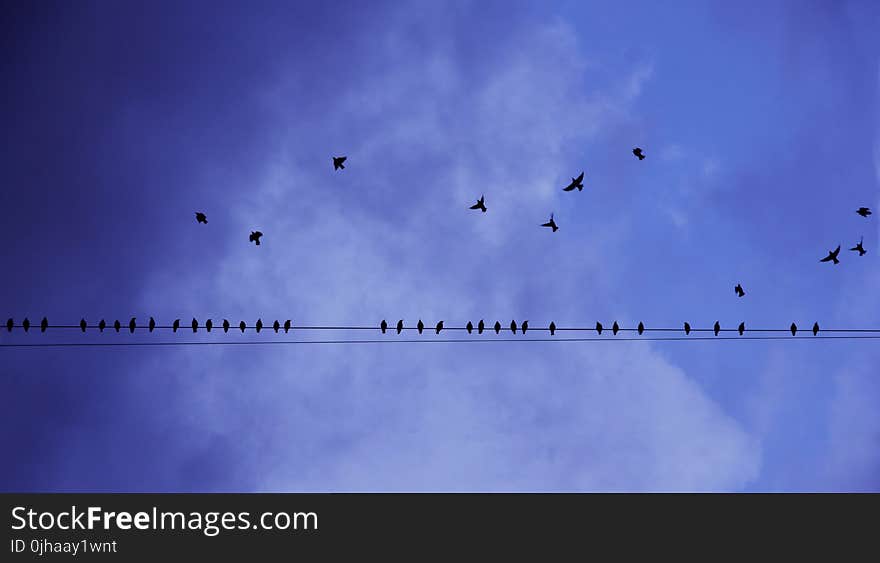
x=399 y=326
x=481 y=326
x=470 y=327
x=497 y=327
x=815 y=329
x=575 y=183
x=201 y=218
x=793 y=329
x=525 y=326
x=175 y=325
x=687 y=328
x=276 y=326
x=739 y=290
x=551 y=223
x=259 y=325
x=420 y=326
x=255 y=237
x=861 y=249
x=26 y=324
x=338 y=162
x=598 y=327
x=717 y=328
x=242 y=326
x=209 y=324
x=638 y=152
x=117 y=325
x=102 y=325
x=641 y=328
x=383 y=326
x=552 y=328
x=195 y=324
x=132 y=325
x=286 y=326
x=614 y=328
x=44 y=324
x=832 y=256
x=513 y=327
x=863 y=211
x=9 y=324
x=481 y=204
x=741 y=328
x=82 y=325
x=439 y=327
x=152 y=324
x=225 y=325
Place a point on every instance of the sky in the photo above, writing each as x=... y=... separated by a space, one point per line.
x=761 y=126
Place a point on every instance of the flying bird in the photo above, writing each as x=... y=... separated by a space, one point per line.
x=815 y=329
x=102 y=325
x=687 y=328
x=861 y=249
x=399 y=326
x=383 y=326
x=9 y=324
x=117 y=325
x=276 y=326
x=82 y=325
x=195 y=325
x=717 y=328
x=470 y=327
x=551 y=223
x=439 y=327
x=132 y=325
x=26 y=324
x=481 y=326
x=641 y=328
x=863 y=211
x=201 y=218
x=513 y=327
x=255 y=237
x=259 y=325
x=638 y=152
x=739 y=290
x=525 y=326
x=152 y=324
x=209 y=324
x=497 y=327
x=338 y=162
x=242 y=326
x=552 y=328
x=286 y=326
x=742 y=328
x=793 y=329
x=832 y=256
x=44 y=324
x=575 y=183
x=614 y=328
x=598 y=327
x=225 y=325
x=420 y=326
x=481 y=204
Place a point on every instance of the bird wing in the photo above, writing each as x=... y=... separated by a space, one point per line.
x=579 y=178
x=569 y=187
x=475 y=206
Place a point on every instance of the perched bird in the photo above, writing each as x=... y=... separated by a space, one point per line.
x=551 y=223
x=497 y=327
x=525 y=326
x=439 y=327
x=863 y=211
x=420 y=326
x=44 y=324
x=739 y=290
x=276 y=326
x=513 y=327
x=286 y=326
x=742 y=328
x=26 y=324
x=575 y=183
x=201 y=218
x=255 y=237
x=641 y=328
x=82 y=325
x=832 y=256
x=815 y=329
x=399 y=326
x=338 y=162
x=209 y=324
x=195 y=325
x=638 y=152
x=9 y=324
x=242 y=326
x=552 y=328
x=481 y=326
x=383 y=326
x=717 y=328
x=132 y=325
x=470 y=327
x=687 y=328
x=117 y=325
x=225 y=325
x=793 y=329
x=598 y=327
x=152 y=324
x=259 y=325
x=861 y=249
x=614 y=328
x=176 y=325
x=481 y=204
x=102 y=325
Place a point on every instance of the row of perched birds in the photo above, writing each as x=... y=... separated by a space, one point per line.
x=383 y=326
x=833 y=254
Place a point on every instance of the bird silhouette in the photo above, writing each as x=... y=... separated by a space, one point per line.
x=420 y=326
x=175 y=325
x=209 y=324
x=152 y=324
x=863 y=211
x=598 y=327
x=575 y=183
x=201 y=218
x=383 y=326
x=742 y=328
x=525 y=326
x=481 y=204
x=276 y=326
x=832 y=256
x=439 y=327
x=470 y=327
x=132 y=325
x=793 y=329
x=44 y=324
x=638 y=152
x=739 y=290
x=513 y=327
x=614 y=328
x=225 y=325
x=82 y=325
x=641 y=328
x=815 y=329
x=551 y=223
x=717 y=328
x=102 y=325
x=26 y=324
x=338 y=162
x=259 y=325
x=481 y=326
x=687 y=328
x=195 y=324
x=242 y=326
x=9 y=324
x=497 y=327
x=552 y=328
x=286 y=326
x=255 y=237
x=861 y=249
x=117 y=325
x=399 y=326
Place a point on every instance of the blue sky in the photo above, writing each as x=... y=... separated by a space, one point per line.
x=762 y=128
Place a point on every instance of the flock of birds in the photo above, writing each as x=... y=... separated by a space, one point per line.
x=832 y=254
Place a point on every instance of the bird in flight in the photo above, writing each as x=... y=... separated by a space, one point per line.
x=739 y=290
x=338 y=162
x=201 y=217
x=832 y=256
x=551 y=223
x=575 y=183
x=82 y=325
x=481 y=204
x=399 y=326
x=859 y=247
x=383 y=326
x=552 y=328
x=863 y=211
x=255 y=237
x=638 y=152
